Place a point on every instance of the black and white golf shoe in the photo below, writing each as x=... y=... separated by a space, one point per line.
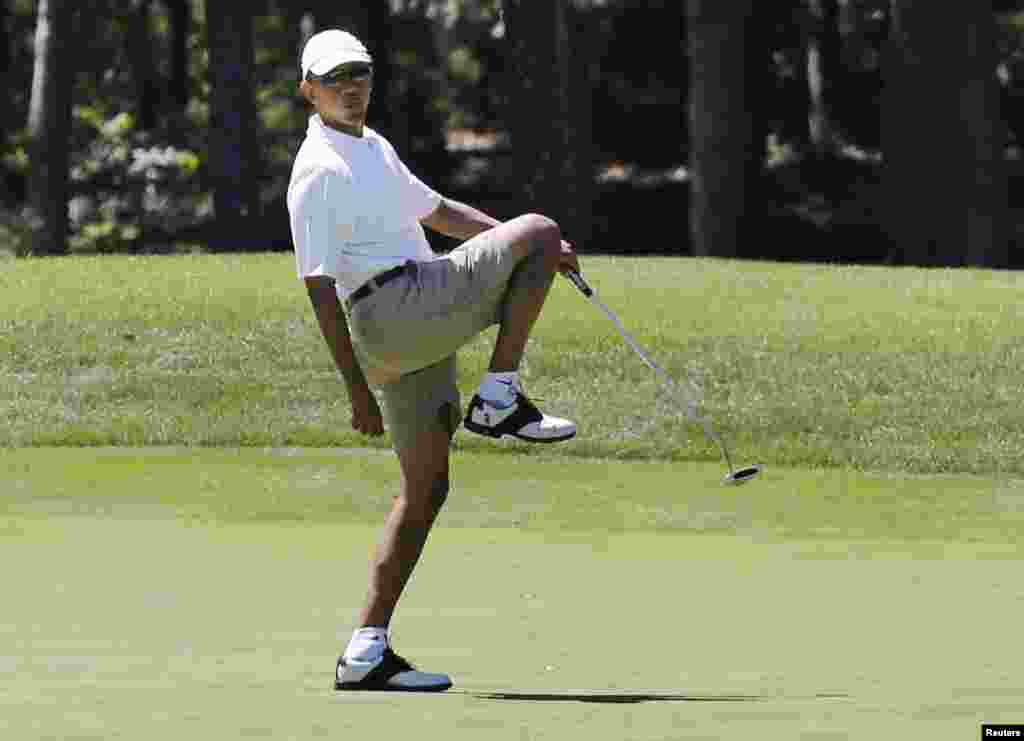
x=389 y=673
x=521 y=420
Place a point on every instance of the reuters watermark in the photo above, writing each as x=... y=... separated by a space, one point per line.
x=1002 y=730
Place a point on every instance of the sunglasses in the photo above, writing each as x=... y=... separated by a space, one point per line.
x=345 y=74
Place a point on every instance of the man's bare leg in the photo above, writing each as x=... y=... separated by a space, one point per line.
x=425 y=484
x=500 y=409
x=537 y=242
x=368 y=662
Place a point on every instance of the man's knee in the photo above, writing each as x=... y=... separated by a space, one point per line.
x=423 y=504
x=542 y=228
x=544 y=236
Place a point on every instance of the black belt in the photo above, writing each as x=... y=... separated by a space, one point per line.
x=377 y=281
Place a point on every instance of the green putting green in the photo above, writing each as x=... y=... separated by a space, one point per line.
x=163 y=594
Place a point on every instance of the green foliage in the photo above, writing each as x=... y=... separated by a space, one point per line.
x=16 y=159
x=277 y=115
x=143 y=186
x=465 y=68
x=187 y=161
x=90 y=115
x=104 y=236
x=1012 y=22
x=15 y=235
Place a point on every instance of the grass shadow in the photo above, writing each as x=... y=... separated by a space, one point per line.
x=608 y=697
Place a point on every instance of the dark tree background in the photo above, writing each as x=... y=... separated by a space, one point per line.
x=944 y=137
x=234 y=156
x=862 y=130
x=727 y=143
x=49 y=123
x=551 y=150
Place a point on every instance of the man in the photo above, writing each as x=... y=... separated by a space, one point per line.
x=393 y=315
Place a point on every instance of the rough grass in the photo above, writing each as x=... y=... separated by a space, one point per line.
x=805 y=365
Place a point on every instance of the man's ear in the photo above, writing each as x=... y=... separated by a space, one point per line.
x=306 y=91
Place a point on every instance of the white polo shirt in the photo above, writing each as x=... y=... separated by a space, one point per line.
x=355 y=208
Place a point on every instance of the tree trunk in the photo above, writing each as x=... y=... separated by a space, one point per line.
x=6 y=59
x=581 y=168
x=943 y=137
x=379 y=41
x=140 y=51
x=726 y=156
x=180 y=12
x=49 y=129
x=986 y=179
x=233 y=153
x=823 y=60
x=552 y=175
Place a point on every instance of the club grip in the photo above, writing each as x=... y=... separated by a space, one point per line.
x=578 y=281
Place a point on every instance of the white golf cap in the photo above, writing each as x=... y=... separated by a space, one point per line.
x=328 y=49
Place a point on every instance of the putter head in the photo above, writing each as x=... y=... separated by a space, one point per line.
x=742 y=476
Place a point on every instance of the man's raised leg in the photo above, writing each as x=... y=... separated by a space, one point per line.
x=500 y=409
x=536 y=242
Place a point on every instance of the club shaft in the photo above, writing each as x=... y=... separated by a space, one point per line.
x=666 y=380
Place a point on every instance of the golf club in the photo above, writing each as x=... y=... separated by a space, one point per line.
x=734 y=476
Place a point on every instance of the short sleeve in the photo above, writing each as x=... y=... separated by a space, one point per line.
x=423 y=200
x=310 y=212
x=419 y=199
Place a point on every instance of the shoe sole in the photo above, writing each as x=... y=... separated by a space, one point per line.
x=357 y=687
x=511 y=435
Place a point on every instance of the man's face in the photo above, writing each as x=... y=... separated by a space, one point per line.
x=342 y=96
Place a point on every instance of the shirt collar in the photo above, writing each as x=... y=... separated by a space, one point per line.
x=337 y=139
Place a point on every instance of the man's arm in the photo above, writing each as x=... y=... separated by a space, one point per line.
x=366 y=417
x=464 y=222
x=459 y=221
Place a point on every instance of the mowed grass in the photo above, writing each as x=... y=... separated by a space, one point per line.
x=200 y=593
x=866 y=586
x=804 y=365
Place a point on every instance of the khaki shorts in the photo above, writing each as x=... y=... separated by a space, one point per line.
x=406 y=333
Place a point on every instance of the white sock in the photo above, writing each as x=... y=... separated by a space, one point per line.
x=500 y=388
x=367 y=644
